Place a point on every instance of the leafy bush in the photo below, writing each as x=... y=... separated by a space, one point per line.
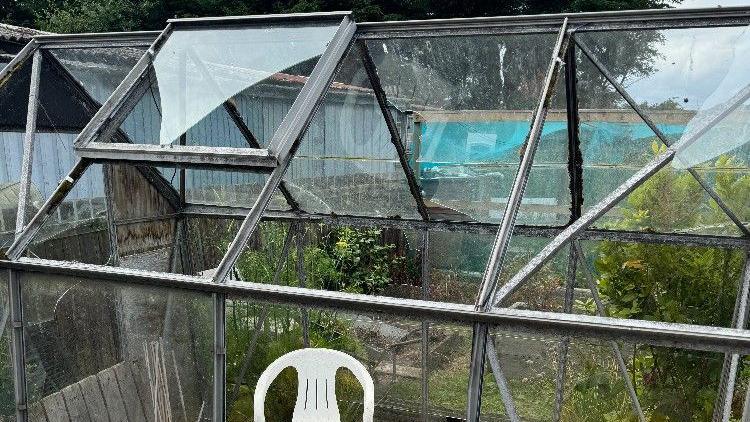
x=343 y=259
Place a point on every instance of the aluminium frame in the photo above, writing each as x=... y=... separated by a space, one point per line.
x=577 y=229
x=693 y=337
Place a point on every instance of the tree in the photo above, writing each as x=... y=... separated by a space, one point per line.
x=115 y=15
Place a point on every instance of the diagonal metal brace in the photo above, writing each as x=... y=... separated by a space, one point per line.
x=411 y=180
x=659 y=134
x=236 y=116
x=252 y=141
x=507 y=224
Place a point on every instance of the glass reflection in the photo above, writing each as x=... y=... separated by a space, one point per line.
x=198 y=70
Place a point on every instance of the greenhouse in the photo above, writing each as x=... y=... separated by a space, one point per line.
x=525 y=218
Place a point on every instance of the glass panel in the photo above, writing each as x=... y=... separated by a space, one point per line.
x=671 y=72
x=457 y=262
x=388 y=347
x=133 y=353
x=670 y=201
x=471 y=99
x=98 y=70
x=346 y=163
x=14 y=96
x=682 y=78
x=654 y=282
x=77 y=229
x=11 y=150
x=367 y=260
x=228 y=188
x=670 y=383
x=206 y=243
x=696 y=285
x=543 y=291
x=198 y=70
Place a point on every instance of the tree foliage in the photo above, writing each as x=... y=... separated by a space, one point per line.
x=67 y=16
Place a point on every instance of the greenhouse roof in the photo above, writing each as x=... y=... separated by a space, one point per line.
x=170 y=159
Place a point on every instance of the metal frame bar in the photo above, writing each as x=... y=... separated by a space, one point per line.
x=18 y=61
x=217 y=21
x=564 y=345
x=628 y=236
x=746 y=407
x=425 y=329
x=192 y=156
x=591 y=21
x=28 y=141
x=505 y=231
x=693 y=337
x=17 y=345
x=109 y=200
x=659 y=134
x=723 y=406
x=97 y=40
x=302 y=277
x=502 y=381
x=372 y=74
x=220 y=356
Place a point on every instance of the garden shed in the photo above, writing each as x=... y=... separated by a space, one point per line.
x=513 y=218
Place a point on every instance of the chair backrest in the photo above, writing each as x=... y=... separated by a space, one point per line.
x=316 y=391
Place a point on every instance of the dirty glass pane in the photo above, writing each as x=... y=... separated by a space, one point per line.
x=456 y=264
x=691 y=84
x=132 y=353
x=369 y=260
x=227 y=188
x=390 y=349
x=468 y=102
x=98 y=70
x=669 y=383
x=197 y=70
x=77 y=229
x=347 y=163
x=660 y=282
x=14 y=95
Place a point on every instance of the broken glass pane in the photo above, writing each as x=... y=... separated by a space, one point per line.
x=198 y=70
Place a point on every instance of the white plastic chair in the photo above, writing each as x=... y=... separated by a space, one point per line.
x=316 y=391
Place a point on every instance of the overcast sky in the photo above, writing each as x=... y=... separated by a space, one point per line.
x=709 y=3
